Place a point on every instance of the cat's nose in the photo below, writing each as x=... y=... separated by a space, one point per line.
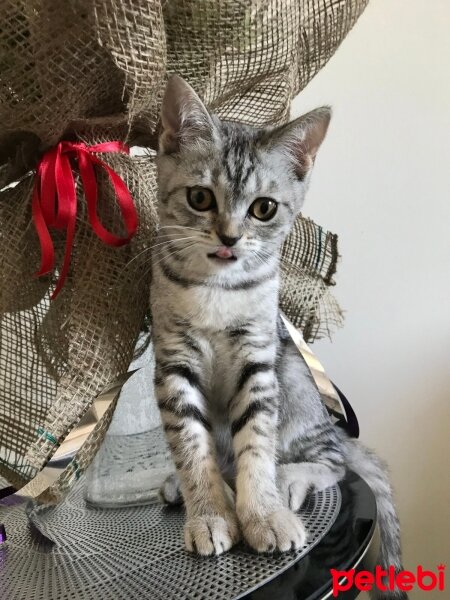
x=227 y=240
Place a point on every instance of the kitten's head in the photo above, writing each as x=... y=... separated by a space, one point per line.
x=229 y=193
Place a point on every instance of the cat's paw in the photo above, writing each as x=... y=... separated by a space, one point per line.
x=292 y=488
x=279 y=531
x=170 y=491
x=211 y=534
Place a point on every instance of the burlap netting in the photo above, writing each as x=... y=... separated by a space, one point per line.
x=95 y=70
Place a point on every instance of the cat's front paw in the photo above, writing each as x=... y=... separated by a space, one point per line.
x=280 y=531
x=211 y=534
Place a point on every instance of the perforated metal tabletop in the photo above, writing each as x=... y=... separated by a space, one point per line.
x=81 y=552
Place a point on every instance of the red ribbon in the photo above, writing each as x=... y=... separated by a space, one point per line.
x=54 y=203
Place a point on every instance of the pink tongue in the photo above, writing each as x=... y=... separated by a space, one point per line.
x=224 y=252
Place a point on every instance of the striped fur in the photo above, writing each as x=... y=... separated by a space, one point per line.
x=237 y=401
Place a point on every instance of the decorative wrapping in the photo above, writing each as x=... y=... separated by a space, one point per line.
x=92 y=72
x=308 y=263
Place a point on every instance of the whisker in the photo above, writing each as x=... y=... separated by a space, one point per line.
x=170 y=253
x=262 y=255
x=199 y=232
x=149 y=248
x=168 y=241
x=177 y=227
x=162 y=246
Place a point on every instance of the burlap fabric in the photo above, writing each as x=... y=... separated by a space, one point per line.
x=95 y=70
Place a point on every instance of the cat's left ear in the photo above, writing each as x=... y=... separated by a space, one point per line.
x=301 y=138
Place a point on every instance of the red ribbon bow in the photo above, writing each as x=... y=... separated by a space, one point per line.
x=54 y=203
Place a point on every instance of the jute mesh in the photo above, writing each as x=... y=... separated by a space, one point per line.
x=308 y=263
x=95 y=70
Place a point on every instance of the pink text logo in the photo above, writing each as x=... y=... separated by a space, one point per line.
x=388 y=580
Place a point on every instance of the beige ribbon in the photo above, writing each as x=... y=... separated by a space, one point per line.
x=324 y=385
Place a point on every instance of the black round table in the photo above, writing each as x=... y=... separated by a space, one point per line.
x=351 y=543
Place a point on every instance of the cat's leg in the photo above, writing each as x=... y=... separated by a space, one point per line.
x=311 y=449
x=266 y=524
x=314 y=461
x=211 y=525
x=170 y=491
x=296 y=480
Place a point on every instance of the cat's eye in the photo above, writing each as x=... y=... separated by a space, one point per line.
x=263 y=209
x=200 y=198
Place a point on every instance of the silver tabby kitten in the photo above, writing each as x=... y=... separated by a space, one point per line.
x=236 y=398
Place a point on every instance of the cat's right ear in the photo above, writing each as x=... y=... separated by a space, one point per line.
x=184 y=117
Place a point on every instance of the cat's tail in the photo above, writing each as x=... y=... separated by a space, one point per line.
x=368 y=466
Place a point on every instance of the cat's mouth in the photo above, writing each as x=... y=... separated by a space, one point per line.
x=222 y=254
